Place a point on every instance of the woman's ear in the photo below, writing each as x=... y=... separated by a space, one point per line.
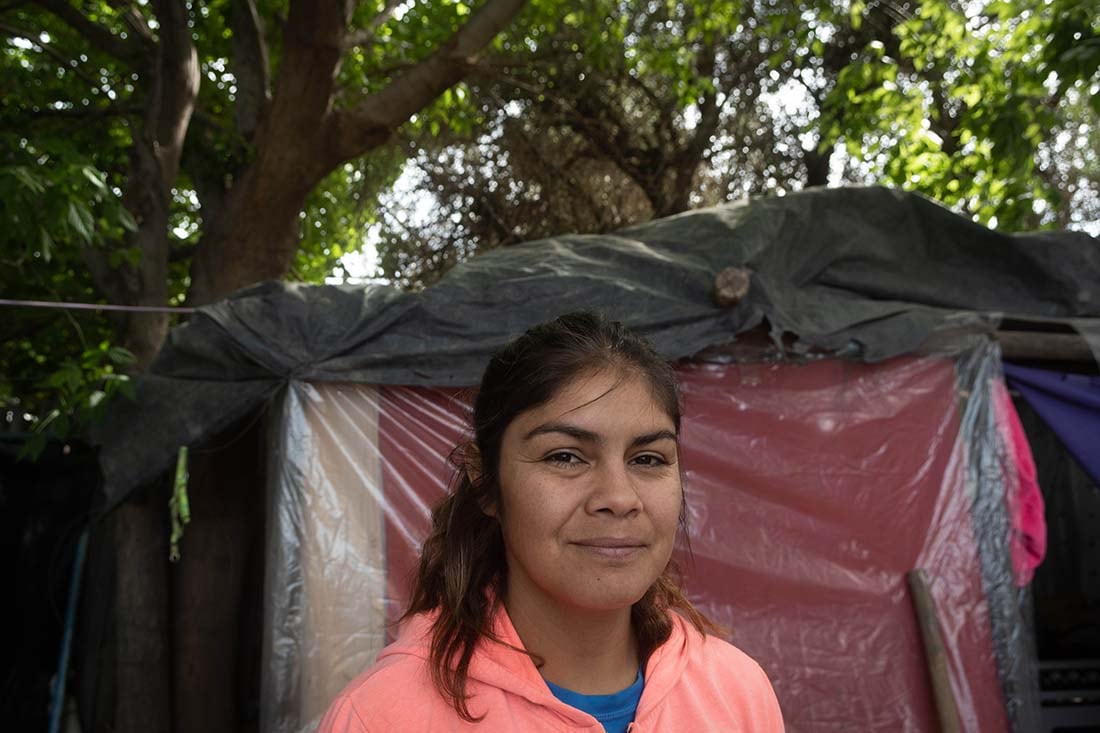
x=471 y=457
x=471 y=462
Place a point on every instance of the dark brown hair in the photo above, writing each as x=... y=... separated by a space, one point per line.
x=462 y=571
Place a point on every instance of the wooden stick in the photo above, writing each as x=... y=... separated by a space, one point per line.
x=1044 y=346
x=934 y=653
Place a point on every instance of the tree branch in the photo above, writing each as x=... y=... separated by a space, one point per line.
x=176 y=86
x=303 y=95
x=376 y=117
x=561 y=172
x=125 y=50
x=135 y=20
x=49 y=50
x=365 y=36
x=211 y=182
x=81 y=113
x=610 y=137
x=250 y=66
x=709 y=112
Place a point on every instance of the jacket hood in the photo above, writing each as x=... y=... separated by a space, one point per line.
x=504 y=665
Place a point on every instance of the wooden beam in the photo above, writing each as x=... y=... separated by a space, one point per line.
x=1057 y=346
x=1044 y=346
x=935 y=655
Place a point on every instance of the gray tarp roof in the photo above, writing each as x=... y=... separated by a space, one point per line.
x=867 y=272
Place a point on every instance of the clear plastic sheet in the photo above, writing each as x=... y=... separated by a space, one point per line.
x=812 y=489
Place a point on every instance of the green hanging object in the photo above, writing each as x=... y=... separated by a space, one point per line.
x=179 y=505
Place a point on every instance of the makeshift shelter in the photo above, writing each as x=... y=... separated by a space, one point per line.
x=1060 y=412
x=862 y=441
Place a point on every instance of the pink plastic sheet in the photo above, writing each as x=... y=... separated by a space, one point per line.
x=811 y=491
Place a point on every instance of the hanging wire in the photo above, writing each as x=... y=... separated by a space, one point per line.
x=96 y=306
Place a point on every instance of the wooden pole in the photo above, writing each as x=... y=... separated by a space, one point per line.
x=1044 y=346
x=934 y=654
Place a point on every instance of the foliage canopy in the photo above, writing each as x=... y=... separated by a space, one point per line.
x=578 y=117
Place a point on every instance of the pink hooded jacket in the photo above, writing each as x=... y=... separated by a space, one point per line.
x=692 y=683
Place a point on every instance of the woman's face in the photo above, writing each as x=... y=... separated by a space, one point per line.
x=590 y=494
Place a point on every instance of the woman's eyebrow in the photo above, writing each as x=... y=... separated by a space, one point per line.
x=590 y=437
x=654 y=437
x=571 y=430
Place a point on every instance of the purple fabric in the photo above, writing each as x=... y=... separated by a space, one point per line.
x=1070 y=405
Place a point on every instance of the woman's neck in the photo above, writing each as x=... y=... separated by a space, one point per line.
x=593 y=653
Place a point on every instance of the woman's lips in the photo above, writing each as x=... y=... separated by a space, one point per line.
x=613 y=548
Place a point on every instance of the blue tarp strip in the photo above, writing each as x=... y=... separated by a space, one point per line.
x=1070 y=405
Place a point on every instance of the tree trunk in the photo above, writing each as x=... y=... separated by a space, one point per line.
x=299 y=137
x=170 y=83
x=143 y=669
x=817 y=167
x=227 y=498
x=148 y=198
x=255 y=234
x=671 y=192
x=143 y=688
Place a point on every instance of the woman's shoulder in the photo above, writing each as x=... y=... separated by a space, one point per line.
x=706 y=677
x=714 y=650
x=707 y=649
x=395 y=672
x=367 y=702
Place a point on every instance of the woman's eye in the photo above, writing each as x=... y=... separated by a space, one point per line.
x=651 y=460
x=564 y=459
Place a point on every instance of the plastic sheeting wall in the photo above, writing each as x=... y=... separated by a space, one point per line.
x=326 y=577
x=811 y=491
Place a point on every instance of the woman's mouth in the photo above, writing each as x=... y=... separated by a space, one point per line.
x=611 y=548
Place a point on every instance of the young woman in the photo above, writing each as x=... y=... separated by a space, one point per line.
x=545 y=600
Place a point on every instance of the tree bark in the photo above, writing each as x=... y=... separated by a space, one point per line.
x=660 y=160
x=250 y=66
x=817 y=167
x=303 y=137
x=226 y=492
x=170 y=84
x=168 y=80
x=142 y=680
x=255 y=233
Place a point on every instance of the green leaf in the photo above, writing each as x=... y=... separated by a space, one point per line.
x=855 y=13
x=47 y=245
x=80 y=219
x=94 y=176
x=28 y=179
x=34 y=446
x=127 y=390
x=126 y=219
x=120 y=356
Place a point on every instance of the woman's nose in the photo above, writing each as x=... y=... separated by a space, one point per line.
x=614 y=491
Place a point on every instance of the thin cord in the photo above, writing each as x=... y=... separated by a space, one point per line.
x=96 y=306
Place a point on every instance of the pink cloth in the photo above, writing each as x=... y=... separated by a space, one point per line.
x=1025 y=500
x=692 y=683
